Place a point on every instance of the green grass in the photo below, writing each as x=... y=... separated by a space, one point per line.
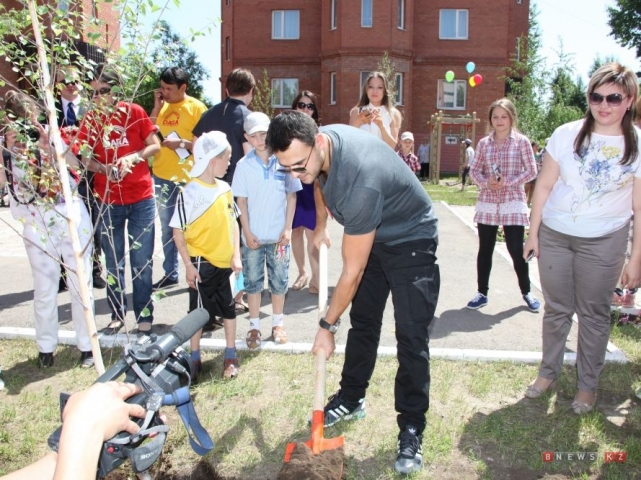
x=479 y=425
x=449 y=190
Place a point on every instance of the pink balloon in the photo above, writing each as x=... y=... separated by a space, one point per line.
x=472 y=82
x=478 y=79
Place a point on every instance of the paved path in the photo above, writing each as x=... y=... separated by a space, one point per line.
x=503 y=329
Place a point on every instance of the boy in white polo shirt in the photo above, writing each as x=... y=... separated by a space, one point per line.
x=267 y=200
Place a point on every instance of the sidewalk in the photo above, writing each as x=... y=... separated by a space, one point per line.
x=505 y=329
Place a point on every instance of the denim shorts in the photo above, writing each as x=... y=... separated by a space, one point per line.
x=276 y=258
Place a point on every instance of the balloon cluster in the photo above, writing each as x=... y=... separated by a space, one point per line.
x=474 y=80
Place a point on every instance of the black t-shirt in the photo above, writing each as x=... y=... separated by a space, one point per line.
x=227 y=117
x=369 y=187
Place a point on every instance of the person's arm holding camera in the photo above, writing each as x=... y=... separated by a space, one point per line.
x=89 y=418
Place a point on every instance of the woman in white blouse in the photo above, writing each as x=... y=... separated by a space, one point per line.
x=375 y=113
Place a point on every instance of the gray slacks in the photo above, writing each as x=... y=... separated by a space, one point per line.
x=578 y=274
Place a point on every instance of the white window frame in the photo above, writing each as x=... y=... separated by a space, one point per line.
x=364 y=75
x=283 y=14
x=454 y=86
x=333 y=15
x=399 y=88
x=364 y=21
x=458 y=24
x=332 y=88
x=401 y=14
x=278 y=89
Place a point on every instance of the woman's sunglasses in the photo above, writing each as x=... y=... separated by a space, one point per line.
x=308 y=106
x=613 y=100
x=102 y=91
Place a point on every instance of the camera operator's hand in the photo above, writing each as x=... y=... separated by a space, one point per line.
x=89 y=418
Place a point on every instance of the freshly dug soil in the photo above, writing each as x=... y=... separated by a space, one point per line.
x=303 y=464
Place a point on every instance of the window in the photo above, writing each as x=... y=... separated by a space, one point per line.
x=283 y=92
x=285 y=24
x=453 y=25
x=398 y=100
x=227 y=48
x=333 y=15
x=451 y=94
x=366 y=13
x=332 y=88
x=364 y=76
x=518 y=49
x=401 y=14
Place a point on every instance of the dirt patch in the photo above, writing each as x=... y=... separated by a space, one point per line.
x=328 y=465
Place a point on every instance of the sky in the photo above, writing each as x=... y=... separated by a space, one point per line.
x=582 y=25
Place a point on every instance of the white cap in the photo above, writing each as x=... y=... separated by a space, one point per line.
x=256 y=122
x=208 y=146
x=407 y=136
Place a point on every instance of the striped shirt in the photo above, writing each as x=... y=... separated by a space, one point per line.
x=516 y=165
x=266 y=191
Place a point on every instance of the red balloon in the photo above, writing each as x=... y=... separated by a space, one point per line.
x=478 y=79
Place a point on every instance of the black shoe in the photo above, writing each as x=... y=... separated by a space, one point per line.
x=62 y=285
x=164 y=282
x=98 y=282
x=410 y=451
x=86 y=359
x=213 y=324
x=338 y=409
x=45 y=360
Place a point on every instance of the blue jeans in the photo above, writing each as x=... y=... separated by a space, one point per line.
x=277 y=260
x=139 y=219
x=166 y=195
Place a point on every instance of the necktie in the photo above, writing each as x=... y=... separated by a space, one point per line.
x=71 y=115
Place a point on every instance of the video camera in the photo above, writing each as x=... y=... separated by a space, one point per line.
x=163 y=370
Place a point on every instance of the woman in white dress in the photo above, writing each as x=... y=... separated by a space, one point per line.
x=375 y=113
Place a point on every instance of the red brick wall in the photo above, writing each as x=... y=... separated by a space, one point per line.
x=349 y=49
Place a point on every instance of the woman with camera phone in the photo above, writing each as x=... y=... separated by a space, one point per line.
x=502 y=164
x=375 y=112
x=37 y=202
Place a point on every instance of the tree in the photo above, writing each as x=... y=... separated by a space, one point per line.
x=37 y=40
x=598 y=63
x=625 y=23
x=170 y=50
x=527 y=81
x=262 y=100
x=388 y=67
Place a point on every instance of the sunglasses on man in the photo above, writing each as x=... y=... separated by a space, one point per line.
x=294 y=168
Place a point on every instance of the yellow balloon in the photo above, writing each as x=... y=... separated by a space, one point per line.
x=472 y=82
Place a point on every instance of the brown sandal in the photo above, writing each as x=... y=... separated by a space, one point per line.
x=253 y=339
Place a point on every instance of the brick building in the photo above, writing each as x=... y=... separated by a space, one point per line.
x=108 y=30
x=330 y=46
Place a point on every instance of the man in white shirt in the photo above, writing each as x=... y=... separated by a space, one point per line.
x=424 y=158
x=469 y=158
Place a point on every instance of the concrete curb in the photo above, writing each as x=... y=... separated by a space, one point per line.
x=109 y=341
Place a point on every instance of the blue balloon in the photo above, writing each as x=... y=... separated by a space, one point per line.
x=470 y=67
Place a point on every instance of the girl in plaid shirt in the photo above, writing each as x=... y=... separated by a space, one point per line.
x=504 y=161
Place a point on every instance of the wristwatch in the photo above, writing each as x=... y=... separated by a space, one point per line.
x=327 y=326
x=182 y=144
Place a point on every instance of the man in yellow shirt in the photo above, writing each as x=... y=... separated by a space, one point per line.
x=176 y=114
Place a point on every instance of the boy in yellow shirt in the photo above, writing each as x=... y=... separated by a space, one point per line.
x=207 y=238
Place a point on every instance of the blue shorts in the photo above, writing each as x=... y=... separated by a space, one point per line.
x=276 y=258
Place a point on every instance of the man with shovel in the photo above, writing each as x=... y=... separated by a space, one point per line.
x=389 y=244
